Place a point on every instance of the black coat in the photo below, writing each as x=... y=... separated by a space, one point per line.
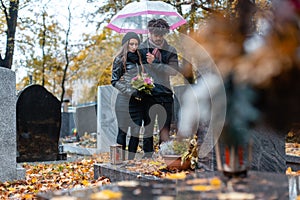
x=161 y=71
x=121 y=79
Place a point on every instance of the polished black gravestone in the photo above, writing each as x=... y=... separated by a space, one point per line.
x=38 y=125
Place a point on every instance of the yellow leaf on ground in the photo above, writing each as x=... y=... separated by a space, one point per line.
x=11 y=189
x=34 y=180
x=106 y=194
x=215 y=182
x=85 y=182
x=203 y=188
x=179 y=175
x=289 y=170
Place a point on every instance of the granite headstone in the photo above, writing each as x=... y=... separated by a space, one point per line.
x=38 y=124
x=9 y=169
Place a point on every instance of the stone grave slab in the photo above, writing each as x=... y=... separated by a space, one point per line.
x=119 y=173
x=258 y=185
x=74 y=149
x=38 y=124
x=268 y=150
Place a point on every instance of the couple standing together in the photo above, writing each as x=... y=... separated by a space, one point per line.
x=133 y=108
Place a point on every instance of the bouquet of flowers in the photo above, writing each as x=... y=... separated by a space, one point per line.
x=143 y=82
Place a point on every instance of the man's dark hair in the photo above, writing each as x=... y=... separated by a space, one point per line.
x=158 y=26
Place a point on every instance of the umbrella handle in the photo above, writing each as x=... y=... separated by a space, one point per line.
x=138 y=69
x=148 y=45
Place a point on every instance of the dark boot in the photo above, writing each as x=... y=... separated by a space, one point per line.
x=148 y=147
x=121 y=139
x=132 y=147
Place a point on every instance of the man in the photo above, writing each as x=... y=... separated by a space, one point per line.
x=161 y=62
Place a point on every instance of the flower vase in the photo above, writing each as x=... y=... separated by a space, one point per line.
x=174 y=162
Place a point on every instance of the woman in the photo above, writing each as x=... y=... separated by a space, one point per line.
x=129 y=108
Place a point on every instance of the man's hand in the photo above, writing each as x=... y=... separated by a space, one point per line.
x=150 y=58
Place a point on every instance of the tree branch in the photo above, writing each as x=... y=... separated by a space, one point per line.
x=66 y=55
x=4 y=10
x=197 y=5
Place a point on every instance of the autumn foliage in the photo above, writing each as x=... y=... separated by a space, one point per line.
x=41 y=177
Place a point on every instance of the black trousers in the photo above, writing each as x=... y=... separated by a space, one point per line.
x=163 y=110
x=129 y=114
x=149 y=110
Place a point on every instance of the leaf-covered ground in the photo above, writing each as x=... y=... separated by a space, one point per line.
x=293 y=136
x=42 y=177
x=292 y=143
x=292 y=149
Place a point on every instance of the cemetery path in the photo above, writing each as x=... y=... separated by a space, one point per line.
x=75 y=172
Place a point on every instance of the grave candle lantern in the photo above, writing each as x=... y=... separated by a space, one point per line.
x=116 y=154
x=233 y=149
x=234 y=160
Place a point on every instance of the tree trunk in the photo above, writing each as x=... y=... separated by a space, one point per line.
x=11 y=19
x=67 y=58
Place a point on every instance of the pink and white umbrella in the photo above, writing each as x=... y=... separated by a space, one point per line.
x=135 y=16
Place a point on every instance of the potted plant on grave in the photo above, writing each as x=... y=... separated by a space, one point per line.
x=180 y=154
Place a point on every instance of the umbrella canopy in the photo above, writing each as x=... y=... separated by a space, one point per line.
x=135 y=16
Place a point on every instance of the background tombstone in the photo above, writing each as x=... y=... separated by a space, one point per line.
x=67 y=119
x=38 y=125
x=67 y=123
x=8 y=166
x=86 y=119
x=107 y=127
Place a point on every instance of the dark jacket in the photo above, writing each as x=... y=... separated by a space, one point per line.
x=121 y=79
x=161 y=71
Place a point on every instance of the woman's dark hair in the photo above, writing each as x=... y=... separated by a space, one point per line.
x=158 y=26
